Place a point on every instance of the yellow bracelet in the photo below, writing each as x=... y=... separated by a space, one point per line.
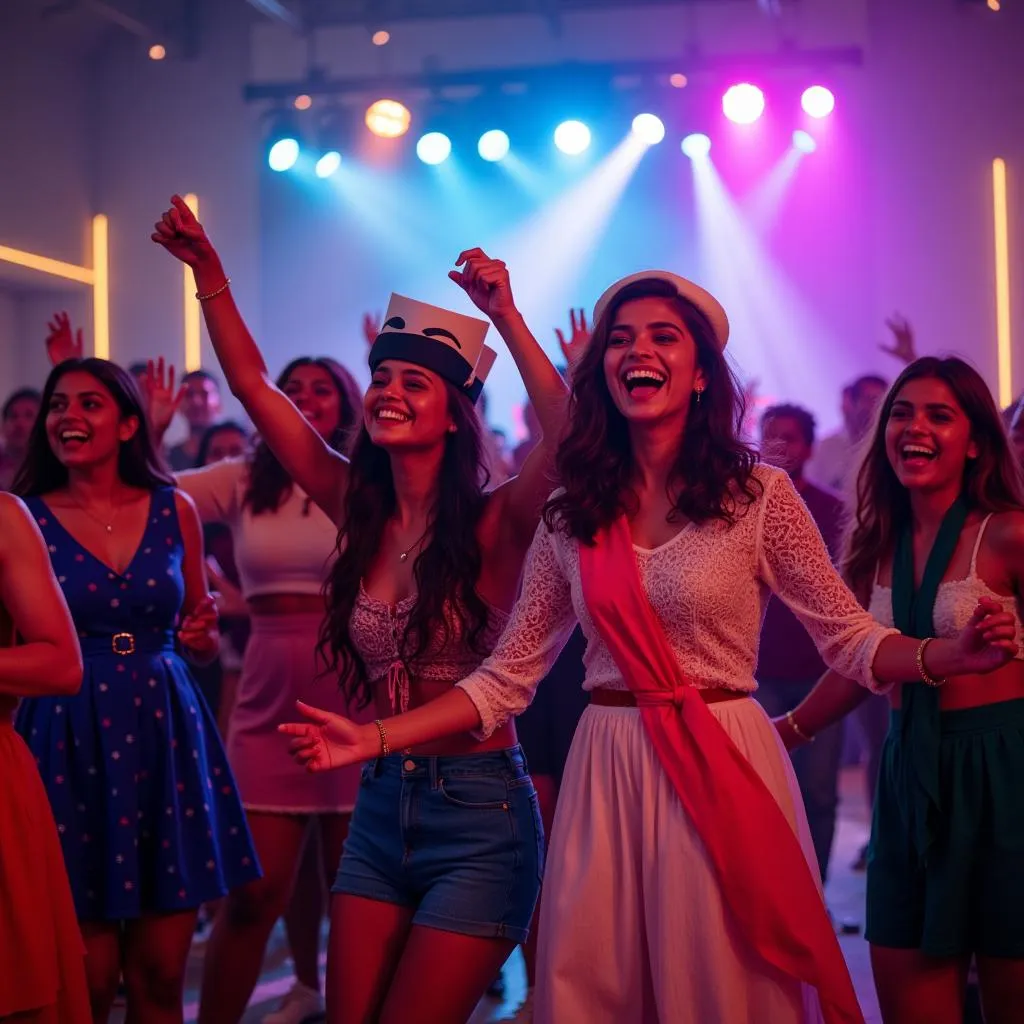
x=796 y=728
x=214 y=294
x=926 y=677
x=385 y=747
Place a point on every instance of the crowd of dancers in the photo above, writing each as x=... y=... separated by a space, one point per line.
x=364 y=602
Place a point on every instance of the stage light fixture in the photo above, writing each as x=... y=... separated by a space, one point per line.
x=678 y=80
x=157 y=52
x=493 y=145
x=381 y=37
x=572 y=137
x=434 y=148
x=696 y=146
x=388 y=119
x=743 y=103
x=803 y=142
x=818 y=101
x=328 y=163
x=303 y=102
x=649 y=128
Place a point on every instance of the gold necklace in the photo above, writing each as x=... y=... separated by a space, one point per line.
x=109 y=527
x=404 y=555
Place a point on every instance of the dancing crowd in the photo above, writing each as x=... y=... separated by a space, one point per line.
x=370 y=652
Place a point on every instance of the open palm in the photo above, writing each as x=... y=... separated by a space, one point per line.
x=326 y=741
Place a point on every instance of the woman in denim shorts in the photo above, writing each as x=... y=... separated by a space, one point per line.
x=442 y=865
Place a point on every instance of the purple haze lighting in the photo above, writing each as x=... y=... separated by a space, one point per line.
x=743 y=103
x=818 y=101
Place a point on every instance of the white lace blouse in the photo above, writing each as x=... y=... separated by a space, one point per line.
x=708 y=585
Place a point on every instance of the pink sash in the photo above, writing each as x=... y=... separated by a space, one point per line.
x=761 y=868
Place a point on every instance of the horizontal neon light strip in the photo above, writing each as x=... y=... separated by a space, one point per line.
x=45 y=265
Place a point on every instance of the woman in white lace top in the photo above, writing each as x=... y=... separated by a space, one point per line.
x=681 y=884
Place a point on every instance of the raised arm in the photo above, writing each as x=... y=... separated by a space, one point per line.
x=502 y=687
x=796 y=565
x=521 y=499
x=48 y=660
x=320 y=471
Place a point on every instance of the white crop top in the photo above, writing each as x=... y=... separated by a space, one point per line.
x=708 y=585
x=955 y=601
x=287 y=551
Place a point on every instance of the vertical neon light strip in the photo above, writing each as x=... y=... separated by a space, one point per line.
x=1002 y=238
x=100 y=287
x=193 y=315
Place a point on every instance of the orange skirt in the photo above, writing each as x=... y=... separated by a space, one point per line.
x=42 y=957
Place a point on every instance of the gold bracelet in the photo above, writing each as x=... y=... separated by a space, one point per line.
x=214 y=294
x=385 y=747
x=796 y=728
x=926 y=677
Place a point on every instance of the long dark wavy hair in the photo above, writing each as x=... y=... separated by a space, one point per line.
x=713 y=471
x=991 y=483
x=269 y=482
x=139 y=463
x=447 y=568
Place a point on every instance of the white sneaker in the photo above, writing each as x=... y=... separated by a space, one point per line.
x=524 y=1015
x=298 y=1005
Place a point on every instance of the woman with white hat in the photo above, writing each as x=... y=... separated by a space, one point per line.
x=681 y=885
x=442 y=864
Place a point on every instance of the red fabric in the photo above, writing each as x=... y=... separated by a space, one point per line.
x=42 y=957
x=761 y=868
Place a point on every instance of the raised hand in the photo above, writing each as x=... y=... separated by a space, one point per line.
x=62 y=343
x=162 y=400
x=579 y=336
x=327 y=740
x=198 y=630
x=182 y=235
x=486 y=282
x=988 y=640
x=902 y=347
x=371 y=327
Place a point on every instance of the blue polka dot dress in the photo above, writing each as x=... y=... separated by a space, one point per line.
x=145 y=803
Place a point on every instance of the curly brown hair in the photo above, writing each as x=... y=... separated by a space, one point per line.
x=713 y=471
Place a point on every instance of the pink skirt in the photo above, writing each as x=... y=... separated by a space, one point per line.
x=633 y=926
x=279 y=668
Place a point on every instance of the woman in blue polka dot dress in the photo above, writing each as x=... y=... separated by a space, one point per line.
x=145 y=804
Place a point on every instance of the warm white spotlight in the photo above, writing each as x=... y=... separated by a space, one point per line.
x=572 y=137
x=648 y=128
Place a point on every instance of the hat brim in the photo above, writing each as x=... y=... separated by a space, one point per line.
x=685 y=289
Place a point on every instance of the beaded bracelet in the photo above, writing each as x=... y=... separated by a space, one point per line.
x=385 y=747
x=214 y=294
x=926 y=677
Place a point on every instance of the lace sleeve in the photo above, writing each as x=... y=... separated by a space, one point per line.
x=795 y=563
x=540 y=626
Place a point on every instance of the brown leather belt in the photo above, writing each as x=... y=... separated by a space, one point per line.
x=606 y=698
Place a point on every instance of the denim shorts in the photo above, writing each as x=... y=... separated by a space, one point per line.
x=457 y=838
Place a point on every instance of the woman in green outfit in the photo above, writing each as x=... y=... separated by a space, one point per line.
x=939 y=530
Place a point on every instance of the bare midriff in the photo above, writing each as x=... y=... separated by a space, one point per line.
x=286 y=604
x=422 y=691
x=962 y=692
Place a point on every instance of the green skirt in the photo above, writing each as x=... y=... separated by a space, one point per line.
x=968 y=897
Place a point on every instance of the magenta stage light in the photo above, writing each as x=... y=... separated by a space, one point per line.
x=743 y=103
x=818 y=101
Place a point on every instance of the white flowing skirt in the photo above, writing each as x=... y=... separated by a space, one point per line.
x=633 y=927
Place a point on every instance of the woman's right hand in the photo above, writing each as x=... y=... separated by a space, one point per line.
x=183 y=236
x=162 y=400
x=62 y=343
x=788 y=735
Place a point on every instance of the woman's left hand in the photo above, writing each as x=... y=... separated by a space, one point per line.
x=198 y=631
x=988 y=641
x=486 y=282
x=328 y=741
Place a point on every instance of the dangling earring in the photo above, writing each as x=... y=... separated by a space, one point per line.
x=699 y=391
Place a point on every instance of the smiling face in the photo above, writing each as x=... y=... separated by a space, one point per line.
x=227 y=443
x=650 y=362
x=84 y=425
x=928 y=436
x=316 y=396
x=406 y=406
x=200 y=402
